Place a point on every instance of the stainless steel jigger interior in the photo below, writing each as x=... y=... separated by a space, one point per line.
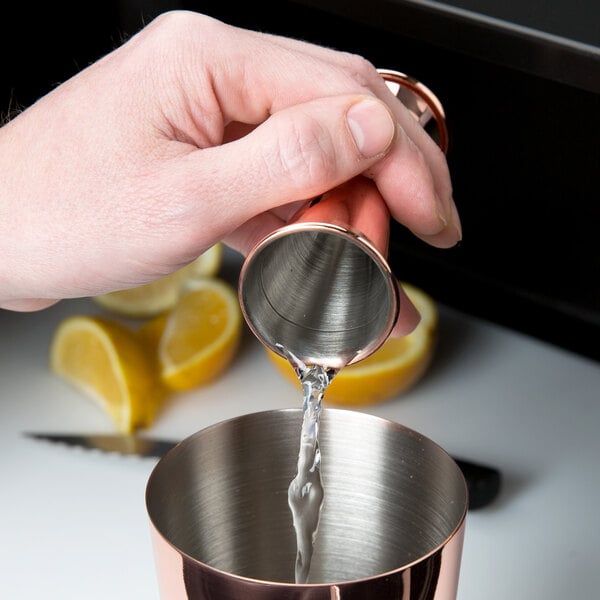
x=321 y=286
x=391 y=527
x=321 y=291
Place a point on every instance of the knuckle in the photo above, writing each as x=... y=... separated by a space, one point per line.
x=361 y=70
x=170 y=24
x=178 y=29
x=174 y=21
x=305 y=154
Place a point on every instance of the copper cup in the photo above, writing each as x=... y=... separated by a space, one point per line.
x=391 y=527
x=320 y=287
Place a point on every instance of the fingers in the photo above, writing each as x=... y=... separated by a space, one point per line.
x=408 y=317
x=254 y=78
x=297 y=154
x=414 y=195
x=417 y=172
x=306 y=150
x=354 y=70
x=245 y=237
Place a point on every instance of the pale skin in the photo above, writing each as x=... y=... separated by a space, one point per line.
x=195 y=132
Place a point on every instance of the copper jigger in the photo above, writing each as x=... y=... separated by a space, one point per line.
x=320 y=287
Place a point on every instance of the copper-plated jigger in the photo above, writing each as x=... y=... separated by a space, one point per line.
x=320 y=287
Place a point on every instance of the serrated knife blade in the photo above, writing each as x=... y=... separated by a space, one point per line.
x=129 y=445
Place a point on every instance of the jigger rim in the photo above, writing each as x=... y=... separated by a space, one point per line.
x=447 y=544
x=353 y=236
x=427 y=95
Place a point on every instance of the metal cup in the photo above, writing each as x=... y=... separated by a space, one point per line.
x=320 y=288
x=392 y=522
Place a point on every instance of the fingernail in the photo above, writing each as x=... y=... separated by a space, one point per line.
x=448 y=216
x=456 y=222
x=372 y=127
x=441 y=212
x=449 y=229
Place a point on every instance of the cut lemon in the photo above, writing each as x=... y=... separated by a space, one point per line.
x=106 y=361
x=161 y=295
x=389 y=371
x=201 y=334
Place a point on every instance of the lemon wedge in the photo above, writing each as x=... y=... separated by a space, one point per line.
x=105 y=360
x=161 y=295
x=388 y=372
x=201 y=334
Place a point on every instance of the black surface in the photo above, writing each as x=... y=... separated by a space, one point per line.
x=524 y=144
x=575 y=20
x=531 y=49
x=43 y=44
x=483 y=483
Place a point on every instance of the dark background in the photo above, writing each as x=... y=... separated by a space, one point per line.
x=523 y=111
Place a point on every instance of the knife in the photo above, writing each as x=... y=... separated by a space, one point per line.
x=483 y=481
x=129 y=445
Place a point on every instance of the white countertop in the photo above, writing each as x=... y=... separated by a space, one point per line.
x=73 y=523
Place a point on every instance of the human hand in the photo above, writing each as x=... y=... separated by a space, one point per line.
x=192 y=132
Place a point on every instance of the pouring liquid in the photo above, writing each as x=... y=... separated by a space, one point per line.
x=305 y=492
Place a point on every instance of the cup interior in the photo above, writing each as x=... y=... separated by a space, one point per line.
x=392 y=496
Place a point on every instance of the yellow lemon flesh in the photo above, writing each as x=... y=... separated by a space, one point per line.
x=201 y=334
x=106 y=361
x=161 y=295
x=389 y=371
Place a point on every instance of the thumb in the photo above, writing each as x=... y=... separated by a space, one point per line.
x=310 y=148
x=297 y=153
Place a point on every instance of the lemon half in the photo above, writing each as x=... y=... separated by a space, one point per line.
x=388 y=372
